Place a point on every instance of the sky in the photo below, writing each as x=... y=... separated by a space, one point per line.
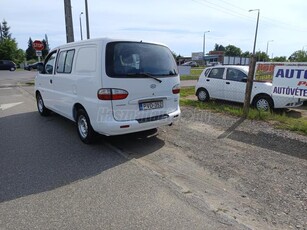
x=180 y=24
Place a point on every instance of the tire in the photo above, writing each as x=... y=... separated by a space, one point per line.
x=263 y=103
x=84 y=127
x=202 y=95
x=40 y=106
x=12 y=69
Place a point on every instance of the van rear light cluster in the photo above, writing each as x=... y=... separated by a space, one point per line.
x=176 y=89
x=112 y=94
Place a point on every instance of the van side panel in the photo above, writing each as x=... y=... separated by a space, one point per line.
x=88 y=72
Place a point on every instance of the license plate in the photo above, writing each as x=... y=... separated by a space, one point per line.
x=151 y=105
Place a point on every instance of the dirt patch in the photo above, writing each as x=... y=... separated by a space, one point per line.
x=265 y=169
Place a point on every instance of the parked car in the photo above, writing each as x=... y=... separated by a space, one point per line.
x=110 y=87
x=7 y=65
x=229 y=83
x=213 y=64
x=32 y=66
x=190 y=63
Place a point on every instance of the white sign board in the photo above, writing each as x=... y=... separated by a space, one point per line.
x=290 y=81
x=197 y=56
x=38 y=53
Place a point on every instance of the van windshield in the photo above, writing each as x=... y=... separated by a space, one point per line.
x=138 y=59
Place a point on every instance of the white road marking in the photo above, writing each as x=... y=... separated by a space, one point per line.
x=10 y=105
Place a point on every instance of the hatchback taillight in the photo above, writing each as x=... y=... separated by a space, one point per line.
x=176 y=89
x=112 y=94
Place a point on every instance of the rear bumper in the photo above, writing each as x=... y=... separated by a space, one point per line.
x=113 y=127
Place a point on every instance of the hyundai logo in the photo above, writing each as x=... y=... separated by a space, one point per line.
x=153 y=86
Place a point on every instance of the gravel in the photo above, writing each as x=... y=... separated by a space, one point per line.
x=264 y=165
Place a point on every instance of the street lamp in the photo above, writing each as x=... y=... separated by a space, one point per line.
x=267 y=46
x=80 y=25
x=204 y=44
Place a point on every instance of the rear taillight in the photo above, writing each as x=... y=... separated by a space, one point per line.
x=176 y=89
x=112 y=94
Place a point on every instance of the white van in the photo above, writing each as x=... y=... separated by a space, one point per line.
x=110 y=86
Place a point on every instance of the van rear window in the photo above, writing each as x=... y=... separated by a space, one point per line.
x=134 y=59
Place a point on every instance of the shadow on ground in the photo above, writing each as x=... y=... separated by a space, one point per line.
x=43 y=153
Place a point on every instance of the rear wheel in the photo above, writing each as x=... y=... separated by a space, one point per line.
x=263 y=103
x=202 y=95
x=84 y=127
x=40 y=106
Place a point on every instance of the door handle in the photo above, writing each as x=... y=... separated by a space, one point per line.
x=227 y=82
x=207 y=79
x=50 y=81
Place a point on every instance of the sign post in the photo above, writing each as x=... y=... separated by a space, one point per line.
x=38 y=46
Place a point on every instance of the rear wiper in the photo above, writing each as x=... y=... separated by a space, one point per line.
x=144 y=74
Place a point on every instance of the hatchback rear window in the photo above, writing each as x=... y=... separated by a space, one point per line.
x=136 y=59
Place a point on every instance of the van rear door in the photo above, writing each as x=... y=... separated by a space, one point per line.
x=142 y=81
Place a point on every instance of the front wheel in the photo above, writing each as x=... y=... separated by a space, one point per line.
x=84 y=127
x=202 y=95
x=41 y=106
x=263 y=103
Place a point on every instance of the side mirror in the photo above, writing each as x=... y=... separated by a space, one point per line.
x=244 y=79
x=40 y=67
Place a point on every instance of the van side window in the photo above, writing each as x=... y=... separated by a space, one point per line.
x=65 y=61
x=86 y=59
x=216 y=73
x=49 y=64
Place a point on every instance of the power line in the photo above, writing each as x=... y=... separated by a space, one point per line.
x=233 y=10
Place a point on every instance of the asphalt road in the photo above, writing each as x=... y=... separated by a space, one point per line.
x=208 y=171
x=8 y=78
x=49 y=179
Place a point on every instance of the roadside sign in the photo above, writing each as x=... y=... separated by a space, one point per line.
x=290 y=81
x=38 y=45
x=39 y=53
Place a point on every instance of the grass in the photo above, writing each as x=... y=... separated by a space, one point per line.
x=194 y=74
x=282 y=121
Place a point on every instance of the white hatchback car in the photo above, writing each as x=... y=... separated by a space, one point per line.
x=229 y=83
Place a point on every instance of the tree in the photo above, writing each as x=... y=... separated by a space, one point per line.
x=8 y=46
x=247 y=54
x=280 y=59
x=45 y=51
x=233 y=51
x=30 y=52
x=298 y=56
x=262 y=56
x=5 y=30
x=218 y=47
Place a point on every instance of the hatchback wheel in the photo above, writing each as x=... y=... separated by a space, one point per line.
x=263 y=103
x=202 y=95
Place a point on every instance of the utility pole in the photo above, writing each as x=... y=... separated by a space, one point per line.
x=252 y=66
x=87 y=21
x=68 y=21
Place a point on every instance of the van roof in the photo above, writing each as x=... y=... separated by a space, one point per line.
x=102 y=40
